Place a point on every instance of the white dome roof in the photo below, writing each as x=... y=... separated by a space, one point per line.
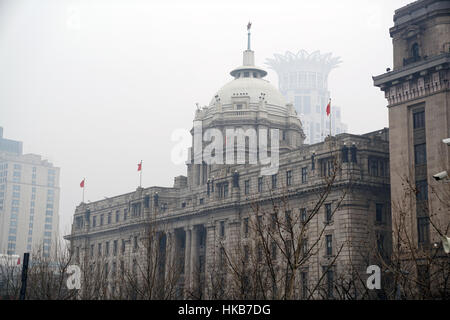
x=251 y=87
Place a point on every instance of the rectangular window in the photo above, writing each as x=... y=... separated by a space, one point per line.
x=303 y=216
x=125 y=214
x=115 y=248
x=423 y=228
x=304 y=279
x=107 y=248
x=109 y=218
x=420 y=154
x=421 y=190
x=135 y=243
x=222 y=229
x=274 y=250
x=99 y=252
x=101 y=219
x=288 y=177
x=329 y=245
x=274 y=181
x=379 y=213
x=288 y=218
x=117 y=216
x=247 y=186
x=419 y=120
x=94 y=221
x=123 y=246
x=328 y=213
x=246 y=227
x=260 y=184
x=304 y=175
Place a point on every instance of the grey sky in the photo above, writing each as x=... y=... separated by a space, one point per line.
x=96 y=86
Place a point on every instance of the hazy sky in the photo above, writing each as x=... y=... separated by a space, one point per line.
x=96 y=86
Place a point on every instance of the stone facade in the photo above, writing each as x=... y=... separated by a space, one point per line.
x=417 y=91
x=206 y=214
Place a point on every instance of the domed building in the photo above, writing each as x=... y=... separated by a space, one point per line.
x=250 y=101
x=195 y=230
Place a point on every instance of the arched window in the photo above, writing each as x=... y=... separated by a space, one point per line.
x=415 y=51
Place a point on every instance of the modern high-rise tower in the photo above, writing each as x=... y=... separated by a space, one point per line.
x=303 y=80
x=29 y=201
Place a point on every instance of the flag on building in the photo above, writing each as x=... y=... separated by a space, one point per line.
x=329 y=108
x=82 y=184
x=139 y=166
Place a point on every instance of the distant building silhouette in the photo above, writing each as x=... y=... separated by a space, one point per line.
x=303 y=80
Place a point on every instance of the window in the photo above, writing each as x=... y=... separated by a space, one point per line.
x=353 y=153
x=423 y=227
x=304 y=174
x=303 y=216
x=136 y=209
x=101 y=219
x=328 y=213
x=92 y=250
x=288 y=218
x=135 y=243
x=415 y=52
x=246 y=253
x=99 y=252
x=379 y=213
x=260 y=184
x=304 y=247
x=329 y=245
x=115 y=248
x=274 y=221
x=225 y=189
x=247 y=186
x=421 y=190
x=246 y=227
x=274 y=181
x=109 y=218
x=304 y=280
x=329 y=281
x=222 y=229
x=419 y=120
x=107 y=248
x=327 y=167
x=274 y=250
x=123 y=246
x=420 y=154
x=125 y=214
x=288 y=177
x=117 y=216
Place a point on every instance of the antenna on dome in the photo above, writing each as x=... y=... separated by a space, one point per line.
x=249 y=25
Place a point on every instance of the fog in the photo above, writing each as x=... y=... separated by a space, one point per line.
x=96 y=86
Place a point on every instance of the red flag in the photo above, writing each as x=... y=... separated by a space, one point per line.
x=140 y=166
x=18 y=261
x=329 y=108
x=82 y=184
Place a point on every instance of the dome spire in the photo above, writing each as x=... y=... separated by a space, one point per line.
x=249 y=25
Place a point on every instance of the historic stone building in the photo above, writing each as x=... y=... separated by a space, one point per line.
x=204 y=220
x=417 y=91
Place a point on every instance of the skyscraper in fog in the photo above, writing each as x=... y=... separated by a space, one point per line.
x=29 y=200
x=303 y=80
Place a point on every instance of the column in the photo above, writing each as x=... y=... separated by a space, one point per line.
x=187 y=257
x=193 y=256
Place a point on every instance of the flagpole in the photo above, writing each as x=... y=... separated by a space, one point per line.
x=330 y=118
x=140 y=176
x=84 y=181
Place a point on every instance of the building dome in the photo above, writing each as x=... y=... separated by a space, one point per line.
x=253 y=89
